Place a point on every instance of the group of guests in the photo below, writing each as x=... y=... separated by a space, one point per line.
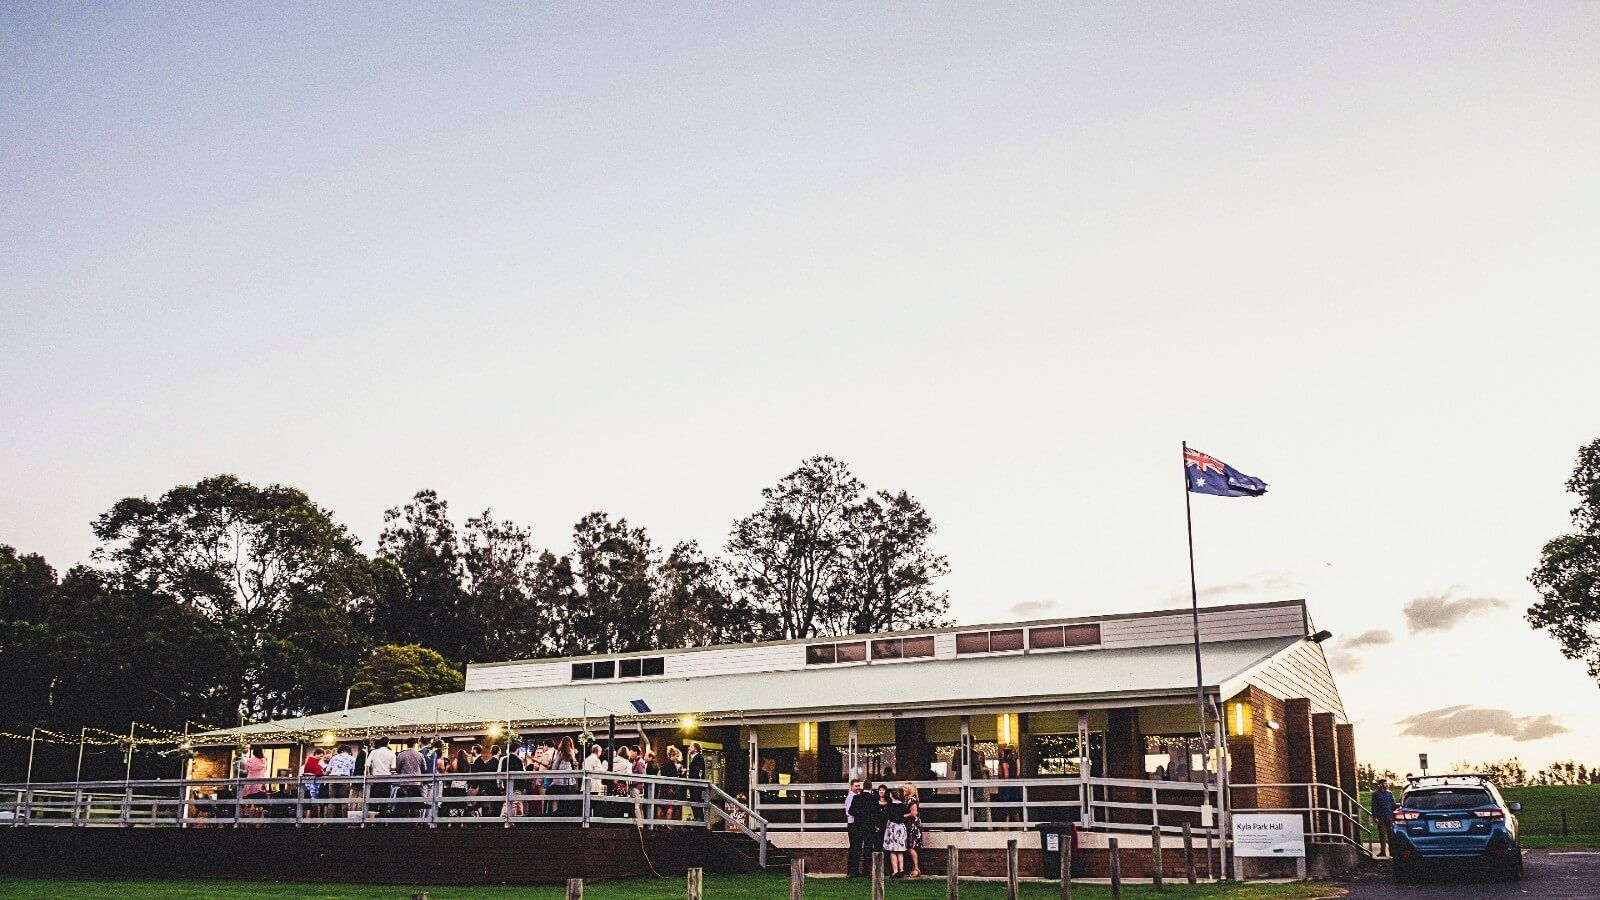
x=881 y=818
x=538 y=780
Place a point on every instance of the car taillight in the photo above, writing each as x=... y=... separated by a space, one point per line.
x=1406 y=815
x=1489 y=814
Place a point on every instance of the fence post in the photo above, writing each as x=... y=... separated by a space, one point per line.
x=877 y=875
x=583 y=785
x=694 y=880
x=127 y=803
x=1011 y=870
x=1188 y=853
x=574 y=889
x=797 y=878
x=1155 y=856
x=952 y=874
x=1066 y=866
x=1116 y=868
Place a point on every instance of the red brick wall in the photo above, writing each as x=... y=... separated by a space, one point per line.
x=1263 y=757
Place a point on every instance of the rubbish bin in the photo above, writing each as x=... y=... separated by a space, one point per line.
x=1052 y=835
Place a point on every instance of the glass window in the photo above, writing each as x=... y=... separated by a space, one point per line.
x=916 y=647
x=886 y=649
x=655 y=665
x=1010 y=639
x=582 y=671
x=1082 y=635
x=1044 y=638
x=855 y=651
x=973 y=642
x=605 y=669
x=819 y=654
x=631 y=668
x=1447 y=798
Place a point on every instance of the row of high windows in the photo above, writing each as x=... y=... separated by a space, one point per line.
x=633 y=667
x=999 y=640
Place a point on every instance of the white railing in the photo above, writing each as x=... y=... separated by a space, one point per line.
x=1332 y=815
x=435 y=800
x=1002 y=803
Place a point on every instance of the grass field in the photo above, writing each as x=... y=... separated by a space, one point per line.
x=1540 y=818
x=740 y=887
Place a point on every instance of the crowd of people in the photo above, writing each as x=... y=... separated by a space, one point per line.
x=886 y=819
x=536 y=779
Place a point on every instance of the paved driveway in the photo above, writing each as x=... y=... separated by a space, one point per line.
x=1568 y=875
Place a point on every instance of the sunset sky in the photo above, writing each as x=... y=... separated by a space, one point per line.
x=646 y=258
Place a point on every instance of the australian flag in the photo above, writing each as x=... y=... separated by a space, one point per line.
x=1209 y=475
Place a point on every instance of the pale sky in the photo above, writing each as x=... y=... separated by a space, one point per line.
x=646 y=258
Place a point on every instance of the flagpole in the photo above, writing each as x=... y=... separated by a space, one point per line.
x=1194 y=610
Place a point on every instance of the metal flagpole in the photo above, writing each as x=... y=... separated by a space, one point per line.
x=1199 y=677
x=127 y=773
x=82 y=733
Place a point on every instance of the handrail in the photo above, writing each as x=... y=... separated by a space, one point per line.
x=755 y=818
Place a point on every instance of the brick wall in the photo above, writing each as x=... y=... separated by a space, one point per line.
x=1325 y=748
x=1263 y=756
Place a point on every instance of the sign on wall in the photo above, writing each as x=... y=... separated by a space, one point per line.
x=1276 y=834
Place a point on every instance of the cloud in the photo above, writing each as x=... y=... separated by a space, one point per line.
x=1344 y=655
x=1463 y=721
x=1274 y=583
x=1377 y=637
x=1442 y=613
x=1033 y=607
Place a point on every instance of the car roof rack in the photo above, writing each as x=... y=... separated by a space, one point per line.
x=1464 y=777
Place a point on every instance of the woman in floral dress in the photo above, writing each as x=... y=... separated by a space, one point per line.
x=913 y=819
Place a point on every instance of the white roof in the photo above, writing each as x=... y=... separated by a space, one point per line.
x=1008 y=682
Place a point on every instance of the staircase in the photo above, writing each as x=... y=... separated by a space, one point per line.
x=749 y=851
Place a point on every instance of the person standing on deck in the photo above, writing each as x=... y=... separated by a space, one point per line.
x=860 y=810
x=696 y=769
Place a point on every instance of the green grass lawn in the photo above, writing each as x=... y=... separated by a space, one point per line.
x=734 y=887
x=1540 y=818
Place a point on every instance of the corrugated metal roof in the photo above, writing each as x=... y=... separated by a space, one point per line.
x=930 y=687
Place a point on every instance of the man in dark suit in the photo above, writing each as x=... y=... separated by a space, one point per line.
x=696 y=769
x=860 y=809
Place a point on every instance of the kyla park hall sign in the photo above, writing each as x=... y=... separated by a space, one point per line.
x=1269 y=835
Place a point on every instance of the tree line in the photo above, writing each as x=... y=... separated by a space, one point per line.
x=224 y=600
x=1503 y=772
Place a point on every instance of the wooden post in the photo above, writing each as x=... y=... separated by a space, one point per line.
x=1116 y=868
x=1066 y=866
x=1155 y=856
x=952 y=874
x=695 y=882
x=1188 y=853
x=574 y=889
x=797 y=879
x=1011 y=870
x=877 y=875
x=421 y=895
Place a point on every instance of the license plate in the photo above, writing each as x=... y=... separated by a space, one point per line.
x=1448 y=825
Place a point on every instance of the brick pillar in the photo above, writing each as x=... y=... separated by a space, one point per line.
x=1345 y=738
x=1302 y=767
x=1325 y=752
x=1124 y=759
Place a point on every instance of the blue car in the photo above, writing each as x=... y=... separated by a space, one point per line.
x=1455 y=820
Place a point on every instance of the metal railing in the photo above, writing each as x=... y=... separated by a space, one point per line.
x=436 y=800
x=1332 y=815
x=1002 y=803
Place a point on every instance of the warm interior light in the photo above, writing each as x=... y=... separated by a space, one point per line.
x=1239 y=719
x=494 y=730
x=329 y=738
x=686 y=723
x=808 y=737
x=1005 y=729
